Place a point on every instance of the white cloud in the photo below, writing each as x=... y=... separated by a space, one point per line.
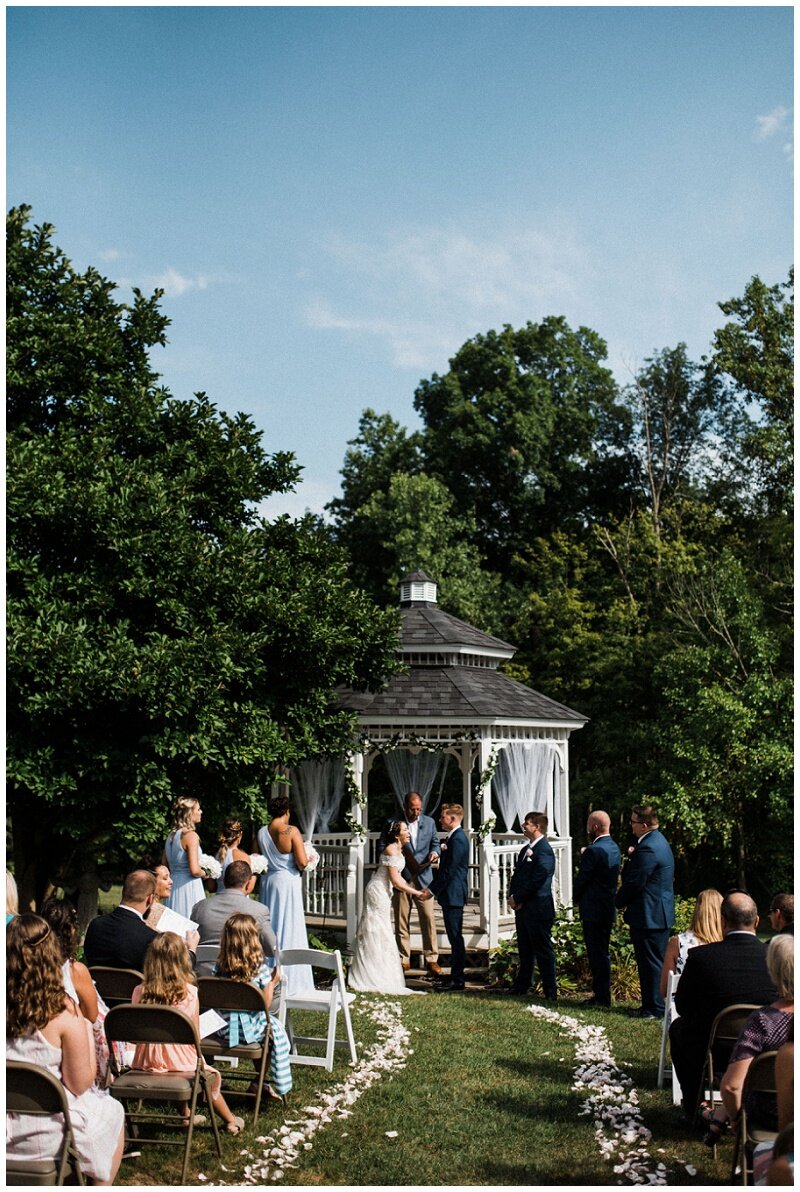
x=174 y=284
x=767 y=126
x=110 y=254
x=427 y=290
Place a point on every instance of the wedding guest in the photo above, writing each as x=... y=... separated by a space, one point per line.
x=211 y=914
x=593 y=893
x=767 y=1029
x=63 y=918
x=182 y=855
x=781 y=914
x=230 y=839
x=530 y=896
x=45 y=1027
x=121 y=939
x=706 y=928
x=241 y=958
x=169 y=981
x=281 y=888
x=12 y=898
x=163 y=890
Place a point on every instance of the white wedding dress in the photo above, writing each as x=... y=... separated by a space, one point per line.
x=376 y=965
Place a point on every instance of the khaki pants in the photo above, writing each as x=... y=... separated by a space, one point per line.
x=402 y=924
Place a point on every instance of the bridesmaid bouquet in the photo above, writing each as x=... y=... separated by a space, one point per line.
x=313 y=856
x=210 y=866
x=258 y=863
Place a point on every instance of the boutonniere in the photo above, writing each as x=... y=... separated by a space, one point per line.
x=444 y=846
x=529 y=857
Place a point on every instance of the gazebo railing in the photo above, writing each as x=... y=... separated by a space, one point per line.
x=331 y=890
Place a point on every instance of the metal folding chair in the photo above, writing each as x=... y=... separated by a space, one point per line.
x=725 y=1030
x=760 y=1079
x=159 y=1024
x=33 y=1090
x=220 y=993
x=115 y=985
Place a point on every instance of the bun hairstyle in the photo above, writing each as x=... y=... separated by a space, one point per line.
x=229 y=835
x=278 y=805
x=182 y=810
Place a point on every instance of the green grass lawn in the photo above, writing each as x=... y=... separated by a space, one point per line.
x=485 y=1097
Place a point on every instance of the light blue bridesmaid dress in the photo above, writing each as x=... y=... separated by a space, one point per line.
x=187 y=891
x=281 y=889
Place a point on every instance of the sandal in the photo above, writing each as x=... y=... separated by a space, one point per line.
x=235 y=1126
x=714 y=1132
x=199 y=1119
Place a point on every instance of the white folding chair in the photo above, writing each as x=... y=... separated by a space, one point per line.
x=669 y=1016
x=326 y=1000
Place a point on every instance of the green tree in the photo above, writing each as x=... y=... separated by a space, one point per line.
x=517 y=430
x=161 y=637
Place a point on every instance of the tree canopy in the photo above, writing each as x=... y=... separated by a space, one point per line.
x=634 y=542
x=162 y=638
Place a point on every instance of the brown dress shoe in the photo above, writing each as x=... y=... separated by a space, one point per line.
x=434 y=969
x=405 y=965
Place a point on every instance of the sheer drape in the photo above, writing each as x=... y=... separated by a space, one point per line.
x=416 y=770
x=527 y=778
x=317 y=791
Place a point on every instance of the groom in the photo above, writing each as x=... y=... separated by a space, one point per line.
x=450 y=888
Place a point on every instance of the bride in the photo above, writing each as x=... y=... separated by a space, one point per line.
x=376 y=965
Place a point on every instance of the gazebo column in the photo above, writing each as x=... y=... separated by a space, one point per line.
x=355 y=864
x=488 y=892
x=564 y=825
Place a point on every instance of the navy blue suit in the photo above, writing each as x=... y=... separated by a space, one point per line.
x=594 y=891
x=649 y=904
x=532 y=887
x=450 y=887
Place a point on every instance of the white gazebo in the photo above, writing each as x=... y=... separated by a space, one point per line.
x=510 y=743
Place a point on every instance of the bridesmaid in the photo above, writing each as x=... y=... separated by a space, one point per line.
x=281 y=888
x=182 y=856
x=230 y=840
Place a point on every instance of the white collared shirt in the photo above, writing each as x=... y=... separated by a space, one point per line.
x=413 y=832
x=132 y=909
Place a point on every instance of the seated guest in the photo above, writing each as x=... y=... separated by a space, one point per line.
x=706 y=928
x=211 y=914
x=766 y=1029
x=781 y=914
x=241 y=958
x=45 y=1027
x=163 y=890
x=781 y=1169
x=12 y=898
x=714 y=977
x=121 y=938
x=63 y=918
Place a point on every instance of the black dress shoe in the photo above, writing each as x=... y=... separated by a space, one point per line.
x=593 y=1004
x=449 y=986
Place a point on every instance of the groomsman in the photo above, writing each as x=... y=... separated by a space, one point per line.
x=595 y=887
x=531 y=899
x=647 y=896
x=450 y=888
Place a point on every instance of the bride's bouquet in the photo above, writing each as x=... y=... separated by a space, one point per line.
x=210 y=866
x=313 y=856
x=258 y=863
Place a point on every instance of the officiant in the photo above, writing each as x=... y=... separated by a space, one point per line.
x=421 y=852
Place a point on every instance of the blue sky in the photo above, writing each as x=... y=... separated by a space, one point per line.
x=335 y=199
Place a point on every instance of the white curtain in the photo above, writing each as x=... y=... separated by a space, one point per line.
x=317 y=791
x=527 y=778
x=416 y=770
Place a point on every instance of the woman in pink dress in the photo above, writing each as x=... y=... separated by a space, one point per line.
x=169 y=981
x=44 y=1026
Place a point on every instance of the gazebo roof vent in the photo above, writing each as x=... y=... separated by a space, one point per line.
x=417 y=588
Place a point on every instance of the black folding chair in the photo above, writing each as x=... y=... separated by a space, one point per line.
x=760 y=1078
x=33 y=1090
x=115 y=985
x=219 y=993
x=159 y=1024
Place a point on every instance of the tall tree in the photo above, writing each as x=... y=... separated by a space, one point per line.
x=161 y=638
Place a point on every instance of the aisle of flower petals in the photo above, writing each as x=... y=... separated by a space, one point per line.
x=283 y=1147
x=611 y=1101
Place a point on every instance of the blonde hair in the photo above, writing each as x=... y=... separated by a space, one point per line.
x=453 y=809
x=707 y=919
x=34 y=985
x=12 y=897
x=780 y=964
x=182 y=810
x=167 y=970
x=240 y=952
